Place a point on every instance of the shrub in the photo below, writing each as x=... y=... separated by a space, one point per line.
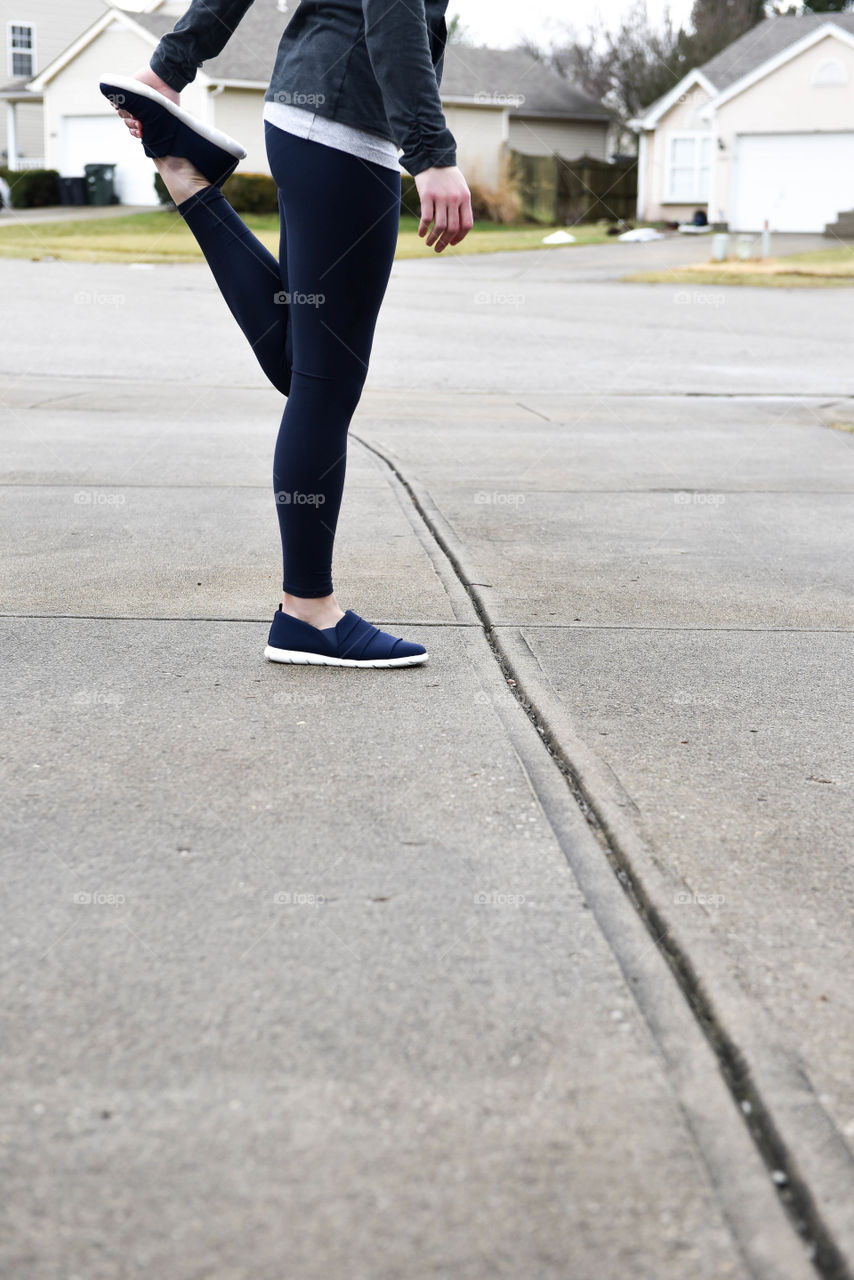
x=33 y=188
x=495 y=203
x=251 y=193
x=160 y=187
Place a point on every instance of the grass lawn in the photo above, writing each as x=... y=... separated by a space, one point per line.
x=820 y=268
x=161 y=236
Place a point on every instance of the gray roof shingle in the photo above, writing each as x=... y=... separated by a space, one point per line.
x=469 y=72
x=251 y=51
x=17 y=87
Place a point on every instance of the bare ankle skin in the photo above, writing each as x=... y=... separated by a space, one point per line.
x=182 y=179
x=319 y=611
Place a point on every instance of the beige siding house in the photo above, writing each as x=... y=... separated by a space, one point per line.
x=35 y=32
x=493 y=99
x=762 y=133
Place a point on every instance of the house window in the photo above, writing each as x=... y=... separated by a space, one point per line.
x=833 y=71
x=22 y=43
x=689 y=167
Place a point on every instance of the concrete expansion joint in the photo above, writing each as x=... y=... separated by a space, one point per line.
x=792 y=1189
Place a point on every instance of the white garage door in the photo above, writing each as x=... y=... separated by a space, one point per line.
x=798 y=181
x=105 y=140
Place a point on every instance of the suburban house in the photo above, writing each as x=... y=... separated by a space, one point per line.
x=35 y=32
x=497 y=100
x=494 y=100
x=762 y=132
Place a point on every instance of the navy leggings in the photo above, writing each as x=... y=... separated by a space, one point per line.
x=310 y=319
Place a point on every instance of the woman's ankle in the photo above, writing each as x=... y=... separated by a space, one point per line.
x=180 y=177
x=318 y=611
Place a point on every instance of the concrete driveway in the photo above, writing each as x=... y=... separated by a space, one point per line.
x=534 y=961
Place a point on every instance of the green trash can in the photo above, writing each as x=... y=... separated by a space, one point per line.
x=99 y=183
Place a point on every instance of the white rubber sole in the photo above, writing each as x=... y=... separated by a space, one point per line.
x=216 y=136
x=318 y=660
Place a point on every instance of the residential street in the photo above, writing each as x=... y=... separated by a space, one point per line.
x=533 y=962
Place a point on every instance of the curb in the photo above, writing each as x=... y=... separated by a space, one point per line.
x=588 y=817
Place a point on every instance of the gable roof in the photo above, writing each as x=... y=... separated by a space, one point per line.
x=769 y=40
x=249 y=56
x=662 y=105
x=509 y=78
x=766 y=40
x=473 y=73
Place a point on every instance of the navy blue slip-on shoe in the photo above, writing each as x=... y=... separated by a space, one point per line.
x=168 y=130
x=353 y=642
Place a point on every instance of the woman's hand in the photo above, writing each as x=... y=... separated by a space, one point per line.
x=147 y=76
x=446 y=202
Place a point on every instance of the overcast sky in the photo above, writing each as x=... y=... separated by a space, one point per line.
x=501 y=23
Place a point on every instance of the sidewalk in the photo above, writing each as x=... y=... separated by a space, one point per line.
x=70 y=213
x=418 y=973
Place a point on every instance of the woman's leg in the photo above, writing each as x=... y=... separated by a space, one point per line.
x=342 y=217
x=248 y=276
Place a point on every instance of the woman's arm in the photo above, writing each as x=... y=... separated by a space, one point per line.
x=399 y=50
x=201 y=33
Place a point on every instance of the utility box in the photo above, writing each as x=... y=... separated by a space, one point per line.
x=99 y=183
x=72 y=190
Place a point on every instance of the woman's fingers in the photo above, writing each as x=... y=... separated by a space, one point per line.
x=440 y=222
x=426 y=215
x=146 y=76
x=451 y=226
x=132 y=123
x=466 y=221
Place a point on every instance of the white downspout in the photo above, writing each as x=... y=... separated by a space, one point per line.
x=11 y=136
x=712 y=209
x=641 y=210
x=211 y=111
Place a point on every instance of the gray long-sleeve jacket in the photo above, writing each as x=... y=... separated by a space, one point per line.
x=374 y=64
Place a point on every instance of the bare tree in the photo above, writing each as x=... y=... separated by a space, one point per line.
x=458 y=32
x=716 y=23
x=625 y=68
